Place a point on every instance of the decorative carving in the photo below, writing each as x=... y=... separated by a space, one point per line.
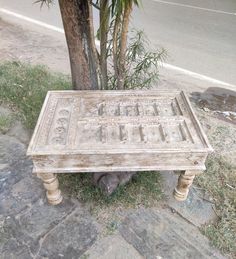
x=135 y=107
x=60 y=125
x=184 y=182
x=51 y=184
x=64 y=112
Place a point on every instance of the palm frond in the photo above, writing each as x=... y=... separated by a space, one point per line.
x=42 y=2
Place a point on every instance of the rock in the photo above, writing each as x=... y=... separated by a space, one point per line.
x=159 y=234
x=195 y=209
x=106 y=182
x=112 y=247
x=109 y=182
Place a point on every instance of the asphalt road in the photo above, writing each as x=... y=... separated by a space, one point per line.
x=199 y=35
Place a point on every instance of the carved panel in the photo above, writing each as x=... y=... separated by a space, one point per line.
x=117 y=122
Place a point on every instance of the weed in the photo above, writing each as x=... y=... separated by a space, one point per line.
x=111 y=227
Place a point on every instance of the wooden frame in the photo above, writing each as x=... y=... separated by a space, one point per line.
x=95 y=131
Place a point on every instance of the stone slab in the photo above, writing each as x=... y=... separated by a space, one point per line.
x=15 y=187
x=112 y=247
x=160 y=234
x=29 y=227
x=70 y=239
x=197 y=208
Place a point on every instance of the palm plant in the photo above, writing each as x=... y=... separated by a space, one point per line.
x=89 y=67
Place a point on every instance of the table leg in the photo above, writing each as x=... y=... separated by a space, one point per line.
x=184 y=182
x=51 y=184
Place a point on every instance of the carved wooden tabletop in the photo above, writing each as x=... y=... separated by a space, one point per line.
x=91 y=131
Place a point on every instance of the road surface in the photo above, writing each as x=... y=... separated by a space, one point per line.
x=199 y=35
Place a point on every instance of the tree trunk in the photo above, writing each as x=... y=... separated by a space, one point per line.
x=75 y=17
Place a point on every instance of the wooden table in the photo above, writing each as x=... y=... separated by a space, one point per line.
x=95 y=131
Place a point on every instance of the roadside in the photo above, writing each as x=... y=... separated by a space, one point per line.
x=198 y=39
x=54 y=54
x=169 y=218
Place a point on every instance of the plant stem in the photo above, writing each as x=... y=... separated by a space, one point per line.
x=92 y=40
x=114 y=46
x=123 y=45
x=104 y=24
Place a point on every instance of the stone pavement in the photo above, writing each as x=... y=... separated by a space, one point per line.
x=30 y=228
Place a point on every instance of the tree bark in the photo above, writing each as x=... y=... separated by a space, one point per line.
x=75 y=17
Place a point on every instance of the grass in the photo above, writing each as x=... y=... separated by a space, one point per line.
x=25 y=87
x=144 y=189
x=220 y=182
x=5 y=123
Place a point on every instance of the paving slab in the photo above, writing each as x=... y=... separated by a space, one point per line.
x=29 y=227
x=160 y=234
x=70 y=239
x=113 y=246
x=197 y=208
x=16 y=180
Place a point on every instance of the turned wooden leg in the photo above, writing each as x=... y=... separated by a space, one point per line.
x=184 y=182
x=51 y=184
